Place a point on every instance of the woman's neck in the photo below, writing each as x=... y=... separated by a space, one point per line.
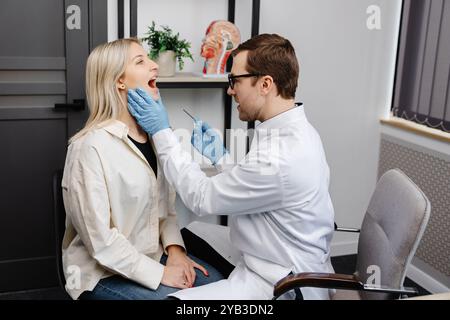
x=134 y=130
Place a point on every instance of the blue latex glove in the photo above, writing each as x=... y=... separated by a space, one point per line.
x=207 y=141
x=151 y=115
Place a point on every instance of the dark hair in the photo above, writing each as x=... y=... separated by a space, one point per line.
x=273 y=55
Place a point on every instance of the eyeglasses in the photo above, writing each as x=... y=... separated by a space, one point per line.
x=232 y=81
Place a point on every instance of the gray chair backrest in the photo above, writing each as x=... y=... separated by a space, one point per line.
x=391 y=231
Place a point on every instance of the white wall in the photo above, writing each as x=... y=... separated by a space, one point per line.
x=345 y=82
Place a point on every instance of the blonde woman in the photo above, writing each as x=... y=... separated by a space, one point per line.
x=122 y=240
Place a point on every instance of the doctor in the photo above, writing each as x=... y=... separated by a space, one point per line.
x=281 y=215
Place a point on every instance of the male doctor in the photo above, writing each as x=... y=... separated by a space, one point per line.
x=280 y=212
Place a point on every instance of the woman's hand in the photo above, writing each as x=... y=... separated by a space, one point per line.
x=178 y=259
x=174 y=276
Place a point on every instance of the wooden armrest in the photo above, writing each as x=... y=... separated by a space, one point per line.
x=317 y=280
x=332 y=281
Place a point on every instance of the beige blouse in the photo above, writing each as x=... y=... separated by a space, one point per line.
x=120 y=217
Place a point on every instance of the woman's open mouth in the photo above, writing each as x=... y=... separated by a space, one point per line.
x=152 y=89
x=152 y=84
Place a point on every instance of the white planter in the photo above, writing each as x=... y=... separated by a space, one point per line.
x=167 y=63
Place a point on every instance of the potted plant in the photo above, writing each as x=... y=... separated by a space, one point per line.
x=165 y=48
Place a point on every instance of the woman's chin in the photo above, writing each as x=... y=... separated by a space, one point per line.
x=153 y=92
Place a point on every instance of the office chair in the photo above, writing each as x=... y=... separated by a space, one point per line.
x=60 y=224
x=393 y=225
x=435 y=296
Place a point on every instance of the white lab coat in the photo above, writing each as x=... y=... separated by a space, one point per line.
x=280 y=212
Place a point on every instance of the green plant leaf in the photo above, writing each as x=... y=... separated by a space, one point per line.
x=163 y=40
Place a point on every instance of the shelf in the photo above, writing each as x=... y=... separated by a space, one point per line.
x=192 y=80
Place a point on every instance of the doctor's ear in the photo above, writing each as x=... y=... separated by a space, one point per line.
x=267 y=84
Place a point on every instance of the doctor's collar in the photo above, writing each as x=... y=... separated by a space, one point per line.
x=296 y=105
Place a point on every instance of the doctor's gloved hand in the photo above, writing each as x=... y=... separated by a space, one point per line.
x=151 y=115
x=207 y=141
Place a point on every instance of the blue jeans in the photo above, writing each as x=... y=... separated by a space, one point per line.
x=119 y=288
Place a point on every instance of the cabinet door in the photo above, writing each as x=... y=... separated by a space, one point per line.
x=44 y=49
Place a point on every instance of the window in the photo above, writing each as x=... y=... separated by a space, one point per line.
x=423 y=67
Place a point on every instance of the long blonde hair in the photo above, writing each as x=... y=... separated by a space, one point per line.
x=104 y=67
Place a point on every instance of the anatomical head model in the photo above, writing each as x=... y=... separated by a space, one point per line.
x=221 y=38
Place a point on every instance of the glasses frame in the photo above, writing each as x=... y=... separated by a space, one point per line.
x=231 y=78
